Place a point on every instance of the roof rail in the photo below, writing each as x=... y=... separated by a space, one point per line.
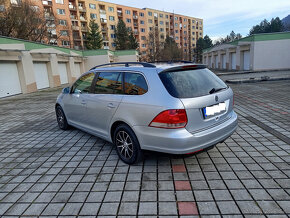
x=127 y=64
x=173 y=61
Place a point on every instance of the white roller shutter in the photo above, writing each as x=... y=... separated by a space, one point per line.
x=224 y=66
x=9 y=79
x=41 y=75
x=216 y=62
x=78 y=69
x=62 y=73
x=246 y=60
x=233 y=61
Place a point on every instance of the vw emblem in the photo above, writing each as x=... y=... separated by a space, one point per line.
x=216 y=98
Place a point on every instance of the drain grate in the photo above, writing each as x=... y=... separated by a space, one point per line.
x=269 y=129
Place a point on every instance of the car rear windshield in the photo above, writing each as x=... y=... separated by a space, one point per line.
x=191 y=83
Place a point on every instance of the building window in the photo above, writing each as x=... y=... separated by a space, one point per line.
x=200 y=34
x=113 y=36
x=161 y=22
x=141 y=14
x=176 y=31
x=59 y=1
x=176 y=24
x=129 y=28
x=184 y=19
x=142 y=22
x=149 y=13
x=111 y=9
x=2 y=7
x=155 y=15
x=184 y=26
x=92 y=6
x=60 y=11
x=127 y=12
x=128 y=20
x=150 y=28
x=142 y=30
x=143 y=38
x=62 y=22
x=143 y=45
x=113 y=44
x=200 y=28
x=112 y=18
x=93 y=16
x=184 y=32
x=175 y=18
x=176 y=37
x=166 y=16
x=64 y=33
x=161 y=29
x=150 y=21
x=112 y=27
x=161 y=15
x=193 y=27
x=65 y=43
x=193 y=21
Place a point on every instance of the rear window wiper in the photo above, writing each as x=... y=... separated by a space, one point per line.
x=213 y=90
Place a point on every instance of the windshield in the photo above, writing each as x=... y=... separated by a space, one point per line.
x=191 y=83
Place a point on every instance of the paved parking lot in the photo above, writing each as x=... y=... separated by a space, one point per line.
x=48 y=172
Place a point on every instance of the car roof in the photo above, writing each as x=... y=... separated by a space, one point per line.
x=158 y=67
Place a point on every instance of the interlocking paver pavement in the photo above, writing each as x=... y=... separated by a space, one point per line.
x=45 y=171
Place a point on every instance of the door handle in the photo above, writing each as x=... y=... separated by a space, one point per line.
x=111 y=105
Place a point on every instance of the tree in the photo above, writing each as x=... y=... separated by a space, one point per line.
x=94 y=36
x=229 y=38
x=170 y=51
x=202 y=43
x=25 y=21
x=132 y=41
x=154 y=46
x=122 y=36
x=265 y=26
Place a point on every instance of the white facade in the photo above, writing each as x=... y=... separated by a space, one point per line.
x=255 y=53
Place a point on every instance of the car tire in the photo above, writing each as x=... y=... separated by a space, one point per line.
x=61 y=119
x=127 y=145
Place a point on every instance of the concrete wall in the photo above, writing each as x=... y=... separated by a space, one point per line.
x=274 y=54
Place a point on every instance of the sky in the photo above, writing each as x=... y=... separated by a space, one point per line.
x=220 y=16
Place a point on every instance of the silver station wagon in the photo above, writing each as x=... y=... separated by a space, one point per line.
x=171 y=108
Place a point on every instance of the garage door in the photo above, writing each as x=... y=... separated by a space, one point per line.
x=216 y=62
x=41 y=75
x=78 y=69
x=246 y=60
x=233 y=61
x=62 y=73
x=209 y=62
x=224 y=62
x=9 y=79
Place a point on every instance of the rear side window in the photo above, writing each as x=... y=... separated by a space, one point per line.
x=191 y=83
x=109 y=83
x=83 y=84
x=135 y=84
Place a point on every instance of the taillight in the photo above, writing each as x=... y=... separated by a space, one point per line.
x=170 y=119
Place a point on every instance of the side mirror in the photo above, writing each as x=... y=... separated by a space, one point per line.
x=66 y=90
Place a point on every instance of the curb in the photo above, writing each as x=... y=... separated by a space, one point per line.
x=257 y=80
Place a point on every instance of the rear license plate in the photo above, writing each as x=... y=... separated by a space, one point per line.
x=214 y=110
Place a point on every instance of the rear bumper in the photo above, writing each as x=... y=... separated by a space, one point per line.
x=180 y=141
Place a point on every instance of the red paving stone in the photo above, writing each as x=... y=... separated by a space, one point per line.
x=178 y=168
x=187 y=208
x=182 y=185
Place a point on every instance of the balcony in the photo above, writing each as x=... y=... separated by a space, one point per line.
x=102 y=11
x=73 y=17
x=104 y=30
x=120 y=13
x=76 y=28
x=106 y=47
x=47 y=3
x=83 y=19
x=135 y=17
x=82 y=9
x=48 y=16
x=84 y=29
x=103 y=20
x=72 y=8
x=136 y=32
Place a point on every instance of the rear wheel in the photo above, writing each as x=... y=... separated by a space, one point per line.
x=61 y=119
x=127 y=145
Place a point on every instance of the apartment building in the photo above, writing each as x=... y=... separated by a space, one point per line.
x=72 y=19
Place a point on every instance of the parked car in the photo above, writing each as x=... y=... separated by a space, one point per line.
x=170 y=108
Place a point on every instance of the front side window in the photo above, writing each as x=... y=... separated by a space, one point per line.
x=135 y=84
x=109 y=83
x=83 y=84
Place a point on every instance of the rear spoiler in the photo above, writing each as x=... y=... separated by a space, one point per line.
x=184 y=67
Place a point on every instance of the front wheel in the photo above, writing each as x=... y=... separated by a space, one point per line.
x=61 y=119
x=127 y=145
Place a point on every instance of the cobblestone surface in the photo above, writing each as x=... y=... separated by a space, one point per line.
x=48 y=172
